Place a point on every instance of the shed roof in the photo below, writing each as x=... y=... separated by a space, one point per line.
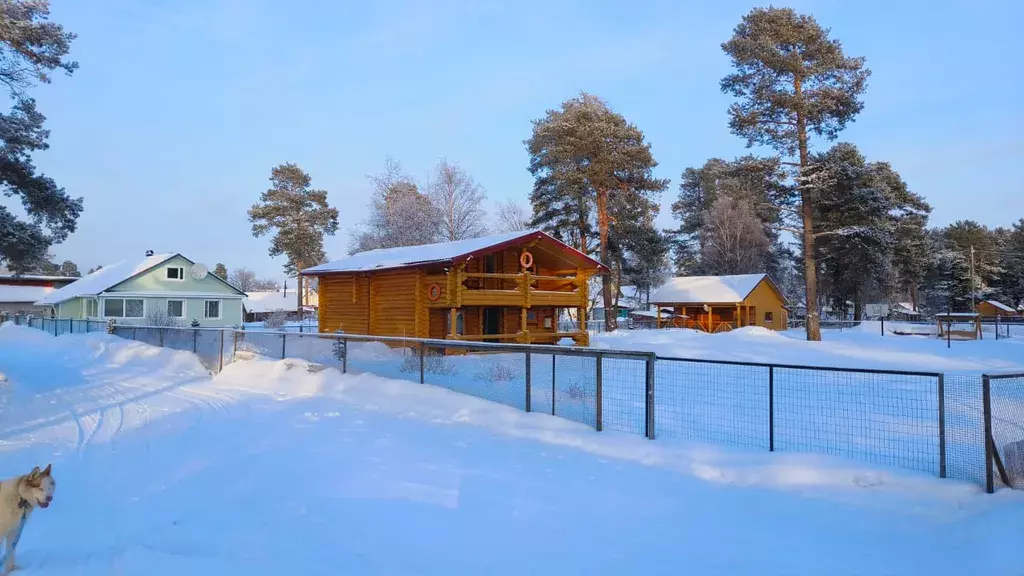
x=23 y=294
x=271 y=301
x=443 y=252
x=710 y=289
x=1000 y=306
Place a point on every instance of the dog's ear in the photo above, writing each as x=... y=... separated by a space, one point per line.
x=46 y=471
x=34 y=473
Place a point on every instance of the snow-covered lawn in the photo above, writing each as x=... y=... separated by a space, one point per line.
x=860 y=347
x=275 y=467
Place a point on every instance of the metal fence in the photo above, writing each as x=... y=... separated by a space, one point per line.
x=926 y=421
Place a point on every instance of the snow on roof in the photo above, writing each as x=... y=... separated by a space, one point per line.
x=709 y=289
x=23 y=293
x=384 y=258
x=104 y=278
x=43 y=277
x=1000 y=306
x=271 y=301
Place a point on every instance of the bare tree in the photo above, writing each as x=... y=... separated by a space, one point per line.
x=159 y=317
x=246 y=281
x=512 y=216
x=733 y=238
x=457 y=198
x=400 y=215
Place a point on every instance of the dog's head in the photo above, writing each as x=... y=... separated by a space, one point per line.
x=37 y=487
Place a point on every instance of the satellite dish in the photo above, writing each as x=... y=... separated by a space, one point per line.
x=199 y=271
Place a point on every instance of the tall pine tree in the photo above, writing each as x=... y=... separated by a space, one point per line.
x=791 y=80
x=589 y=155
x=299 y=217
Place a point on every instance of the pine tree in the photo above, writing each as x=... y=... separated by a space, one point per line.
x=587 y=154
x=792 y=80
x=1012 y=263
x=220 y=271
x=299 y=217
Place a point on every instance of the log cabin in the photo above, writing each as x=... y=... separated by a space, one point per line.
x=993 y=309
x=721 y=303
x=503 y=288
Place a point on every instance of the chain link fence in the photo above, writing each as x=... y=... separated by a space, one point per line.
x=930 y=422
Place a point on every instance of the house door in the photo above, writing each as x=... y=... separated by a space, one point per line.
x=492 y=322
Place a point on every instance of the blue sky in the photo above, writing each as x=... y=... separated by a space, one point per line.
x=180 y=109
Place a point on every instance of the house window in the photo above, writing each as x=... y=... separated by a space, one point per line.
x=490 y=264
x=175 y=273
x=768 y=318
x=91 y=309
x=124 y=308
x=176 y=308
x=459 y=324
x=211 y=310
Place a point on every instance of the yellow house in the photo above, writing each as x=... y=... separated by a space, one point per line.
x=721 y=303
x=993 y=308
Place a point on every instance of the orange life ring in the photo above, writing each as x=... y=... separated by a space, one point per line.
x=526 y=259
x=434 y=292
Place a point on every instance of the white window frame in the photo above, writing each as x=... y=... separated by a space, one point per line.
x=95 y=302
x=181 y=273
x=184 y=310
x=220 y=309
x=124 y=308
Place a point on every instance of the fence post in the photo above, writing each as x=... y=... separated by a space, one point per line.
x=220 y=352
x=553 y=363
x=55 y=323
x=771 y=408
x=234 y=342
x=649 y=403
x=883 y=326
x=195 y=340
x=133 y=332
x=986 y=408
x=600 y=365
x=942 y=426
x=423 y=350
x=284 y=342
x=529 y=379
x=71 y=327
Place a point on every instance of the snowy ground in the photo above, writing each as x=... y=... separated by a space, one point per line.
x=268 y=467
x=862 y=347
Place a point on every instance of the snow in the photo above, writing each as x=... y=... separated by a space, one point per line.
x=861 y=347
x=709 y=289
x=1000 y=306
x=277 y=467
x=270 y=301
x=106 y=277
x=385 y=258
x=10 y=293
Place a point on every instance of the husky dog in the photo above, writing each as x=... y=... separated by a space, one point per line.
x=19 y=496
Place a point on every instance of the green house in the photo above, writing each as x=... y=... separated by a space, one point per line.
x=160 y=289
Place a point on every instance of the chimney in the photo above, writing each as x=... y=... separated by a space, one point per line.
x=149 y=253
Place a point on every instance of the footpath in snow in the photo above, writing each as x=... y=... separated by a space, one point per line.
x=279 y=466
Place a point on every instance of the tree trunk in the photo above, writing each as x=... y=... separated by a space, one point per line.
x=858 y=309
x=606 y=281
x=298 y=284
x=810 y=266
x=913 y=297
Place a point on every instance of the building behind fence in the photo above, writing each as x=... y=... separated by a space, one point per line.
x=964 y=426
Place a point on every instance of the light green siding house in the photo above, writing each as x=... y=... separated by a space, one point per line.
x=161 y=289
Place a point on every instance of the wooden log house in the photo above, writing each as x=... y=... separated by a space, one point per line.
x=503 y=288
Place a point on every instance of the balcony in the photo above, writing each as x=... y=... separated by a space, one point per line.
x=524 y=290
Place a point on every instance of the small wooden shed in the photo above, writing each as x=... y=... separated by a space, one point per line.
x=994 y=308
x=507 y=287
x=721 y=303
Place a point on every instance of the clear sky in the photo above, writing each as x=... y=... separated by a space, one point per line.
x=180 y=109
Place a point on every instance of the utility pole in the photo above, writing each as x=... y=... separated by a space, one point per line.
x=972 y=277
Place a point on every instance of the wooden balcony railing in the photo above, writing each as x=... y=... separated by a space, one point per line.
x=529 y=290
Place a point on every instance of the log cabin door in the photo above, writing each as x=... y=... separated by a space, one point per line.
x=492 y=322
